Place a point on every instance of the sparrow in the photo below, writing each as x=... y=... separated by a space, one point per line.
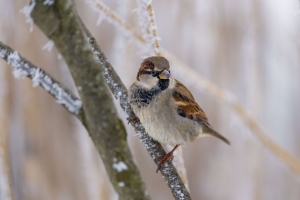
x=166 y=108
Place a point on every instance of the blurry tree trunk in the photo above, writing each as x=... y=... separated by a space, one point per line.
x=99 y=114
x=6 y=192
x=61 y=23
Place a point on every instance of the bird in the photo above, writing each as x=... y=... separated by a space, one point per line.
x=166 y=108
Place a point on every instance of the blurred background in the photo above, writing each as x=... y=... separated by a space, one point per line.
x=249 y=48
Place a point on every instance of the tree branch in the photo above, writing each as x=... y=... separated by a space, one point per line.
x=59 y=22
x=148 y=26
x=22 y=67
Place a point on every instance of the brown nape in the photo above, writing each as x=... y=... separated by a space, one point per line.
x=146 y=65
x=159 y=62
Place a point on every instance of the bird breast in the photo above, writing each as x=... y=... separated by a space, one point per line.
x=162 y=122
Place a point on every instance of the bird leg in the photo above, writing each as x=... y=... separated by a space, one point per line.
x=165 y=158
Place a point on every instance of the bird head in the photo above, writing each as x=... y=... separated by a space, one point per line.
x=154 y=71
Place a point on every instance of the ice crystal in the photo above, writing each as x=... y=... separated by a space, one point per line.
x=49 y=2
x=26 y=10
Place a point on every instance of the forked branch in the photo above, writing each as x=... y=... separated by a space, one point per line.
x=22 y=67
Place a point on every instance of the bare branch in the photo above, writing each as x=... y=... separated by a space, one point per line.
x=291 y=161
x=22 y=67
x=106 y=13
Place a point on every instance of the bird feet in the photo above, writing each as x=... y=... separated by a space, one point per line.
x=132 y=119
x=165 y=158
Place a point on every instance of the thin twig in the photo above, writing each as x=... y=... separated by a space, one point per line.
x=114 y=18
x=148 y=25
x=22 y=67
x=178 y=162
x=153 y=29
x=291 y=161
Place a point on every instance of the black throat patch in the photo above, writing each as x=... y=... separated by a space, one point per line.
x=146 y=96
x=163 y=84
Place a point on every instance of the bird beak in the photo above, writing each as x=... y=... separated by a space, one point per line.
x=164 y=75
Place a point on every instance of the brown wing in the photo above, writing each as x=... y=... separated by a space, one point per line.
x=186 y=104
x=187 y=107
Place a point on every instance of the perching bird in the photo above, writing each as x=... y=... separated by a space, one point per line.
x=166 y=108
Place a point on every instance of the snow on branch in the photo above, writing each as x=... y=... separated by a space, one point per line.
x=119 y=90
x=23 y=68
x=197 y=79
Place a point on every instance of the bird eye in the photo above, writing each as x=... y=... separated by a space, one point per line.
x=155 y=73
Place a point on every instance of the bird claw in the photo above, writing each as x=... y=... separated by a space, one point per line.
x=132 y=119
x=163 y=159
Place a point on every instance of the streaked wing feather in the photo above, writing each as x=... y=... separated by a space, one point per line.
x=187 y=107
x=186 y=104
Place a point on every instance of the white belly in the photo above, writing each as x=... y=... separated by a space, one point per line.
x=164 y=125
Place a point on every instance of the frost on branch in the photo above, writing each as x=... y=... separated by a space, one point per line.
x=114 y=82
x=13 y=59
x=22 y=68
x=26 y=10
x=3 y=53
x=148 y=27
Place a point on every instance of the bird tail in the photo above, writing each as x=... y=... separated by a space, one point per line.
x=212 y=132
